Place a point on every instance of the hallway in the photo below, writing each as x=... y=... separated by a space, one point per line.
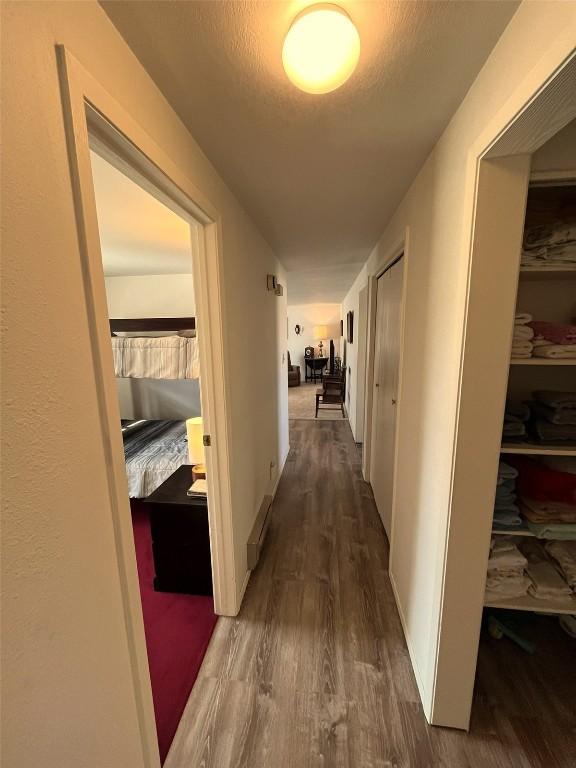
x=315 y=671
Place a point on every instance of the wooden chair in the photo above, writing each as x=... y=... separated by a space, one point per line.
x=332 y=394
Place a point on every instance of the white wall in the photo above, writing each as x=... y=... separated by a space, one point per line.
x=150 y=296
x=355 y=357
x=154 y=296
x=67 y=678
x=436 y=210
x=307 y=316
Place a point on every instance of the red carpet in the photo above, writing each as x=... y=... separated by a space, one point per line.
x=178 y=629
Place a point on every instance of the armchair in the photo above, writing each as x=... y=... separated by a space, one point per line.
x=293 y=374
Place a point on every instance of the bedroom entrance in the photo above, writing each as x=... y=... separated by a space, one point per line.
x=150 y=259
x=147 y=261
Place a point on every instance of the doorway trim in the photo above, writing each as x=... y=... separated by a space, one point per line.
x=399 y=249
x=497 y=177
x=89 y=110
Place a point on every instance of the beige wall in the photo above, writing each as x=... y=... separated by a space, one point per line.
x=68 y=692
x=150 y=296
x=437 y=210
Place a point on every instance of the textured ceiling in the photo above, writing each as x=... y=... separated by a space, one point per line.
x=139 y=235
x=320 y=175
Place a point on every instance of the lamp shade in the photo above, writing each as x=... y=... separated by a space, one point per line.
x=320 y=332
x=195 y=432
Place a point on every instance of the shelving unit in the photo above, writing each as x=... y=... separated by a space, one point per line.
x=549 y=293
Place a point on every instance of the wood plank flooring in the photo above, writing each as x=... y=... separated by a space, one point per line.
x=314 y=672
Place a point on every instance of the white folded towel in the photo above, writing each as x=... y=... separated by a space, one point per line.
x=556 y=351
x=546 y=582
x=523 y=333
x=521 y=318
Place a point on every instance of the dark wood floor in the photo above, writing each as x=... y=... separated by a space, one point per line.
x=314 y=672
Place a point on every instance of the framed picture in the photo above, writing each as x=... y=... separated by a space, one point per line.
x=350 y=327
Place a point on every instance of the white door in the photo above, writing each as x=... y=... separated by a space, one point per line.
x=385 y=390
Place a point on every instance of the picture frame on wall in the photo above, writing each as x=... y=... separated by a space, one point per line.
x=350 y=327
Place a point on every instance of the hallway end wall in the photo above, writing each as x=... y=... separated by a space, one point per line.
x=307 y=316
x=437 y=210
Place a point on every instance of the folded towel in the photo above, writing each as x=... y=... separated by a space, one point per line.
x=522 y=318
x=555 y=351
x=546 y=582
x=553 y=433
x=538 y=481
x=505 y=554
x=548 y=511
x=499 y=587
x=512 y=429
x=522 y=333
x=557 y=333
x=507 y=518
x=506 y=472
x=554 y=415
x=564 y=553
x=555 y=398
x=516 y=411
x=553 y=531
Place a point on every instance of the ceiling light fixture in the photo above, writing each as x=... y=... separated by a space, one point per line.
x=321 y=49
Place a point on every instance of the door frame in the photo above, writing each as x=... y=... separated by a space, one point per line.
x=399 y=249
x=90 y=111
x=497 y=172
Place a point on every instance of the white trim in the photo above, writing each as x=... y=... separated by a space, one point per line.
x=83 y=99
x=413 y=657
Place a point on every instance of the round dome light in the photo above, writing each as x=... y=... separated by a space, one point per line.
x=321 y=49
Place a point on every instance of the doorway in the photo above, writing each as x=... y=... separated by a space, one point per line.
x=387 y=343
x=93 y=118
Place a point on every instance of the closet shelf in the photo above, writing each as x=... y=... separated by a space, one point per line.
x=542 y=361
x=529 y=603
x=536 y=449
x=521 y=530
x=547 y=273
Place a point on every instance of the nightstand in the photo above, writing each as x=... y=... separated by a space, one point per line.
x=180 y=537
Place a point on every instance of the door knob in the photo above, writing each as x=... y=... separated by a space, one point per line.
x=393 y=401
x=377 y=384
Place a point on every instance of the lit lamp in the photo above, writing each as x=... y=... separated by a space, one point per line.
x=320 y=333
x=195 y=432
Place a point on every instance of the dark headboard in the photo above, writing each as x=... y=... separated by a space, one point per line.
x=153 y=324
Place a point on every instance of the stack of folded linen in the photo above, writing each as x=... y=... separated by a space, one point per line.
x=506 y=510
x=515 y=417
x=546 y=581
x=551 y=245
x=564 y=554
x=555 y=341
x=522 y=336
x=506 y=577
x=554 y=415
x=547 y=493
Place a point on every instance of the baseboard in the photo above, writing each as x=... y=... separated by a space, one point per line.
x=421 y=688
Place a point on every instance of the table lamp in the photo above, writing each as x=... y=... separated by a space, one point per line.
x=195 y=432
x=320 y=332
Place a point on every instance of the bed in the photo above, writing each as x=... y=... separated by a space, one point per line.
x=153 y=450
x=155 y=348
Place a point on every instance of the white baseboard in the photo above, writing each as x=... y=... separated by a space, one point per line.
x=421 y=688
